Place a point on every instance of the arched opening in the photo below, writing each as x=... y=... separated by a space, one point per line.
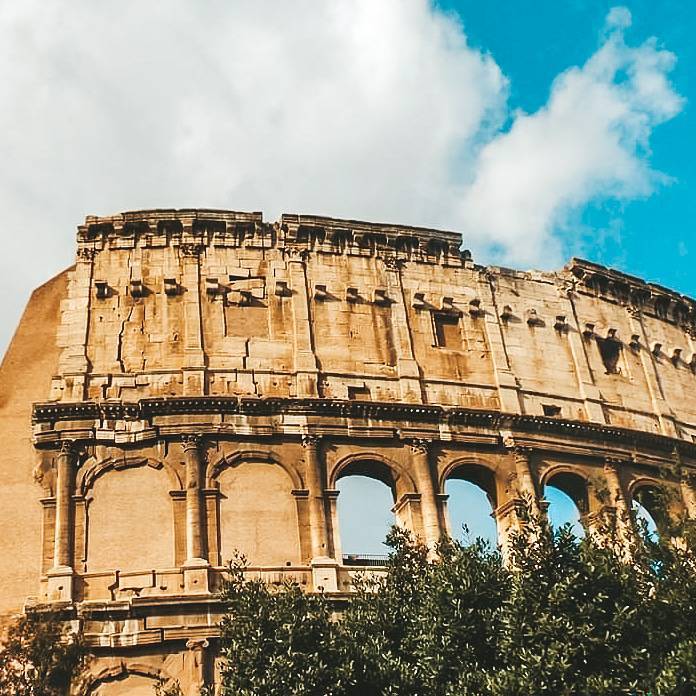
x=471 y=502
x=365 y=511
x=258 y=515
x=123 y=533
x=125 y=685
x=566 y=495
x=650 y=510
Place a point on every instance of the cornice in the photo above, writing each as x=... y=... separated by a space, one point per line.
x=363 y=414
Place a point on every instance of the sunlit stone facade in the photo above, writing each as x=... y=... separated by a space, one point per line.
x=199 y=381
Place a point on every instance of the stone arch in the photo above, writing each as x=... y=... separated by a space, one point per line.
x=653 y=496
x=569 y=480
x=259 y=508
x=92 y=469
x=111 y=509
x=121 y=671
x=482 y=476
x=360 y=527
x=573 y=487
x=238 y=457
x=387 y=470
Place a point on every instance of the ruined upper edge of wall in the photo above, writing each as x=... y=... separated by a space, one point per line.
x=222 y=228
x=205 y=227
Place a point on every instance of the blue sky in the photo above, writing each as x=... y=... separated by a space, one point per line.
x=653 y=236
x=538 y=129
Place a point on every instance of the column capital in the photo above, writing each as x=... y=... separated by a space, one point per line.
x=68 y=447
x=419 y=445
x=311 y=440
x=192 y=441
x=613 y=462
x=191 y=250
x=513 y=446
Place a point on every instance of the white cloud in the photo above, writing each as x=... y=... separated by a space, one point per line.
x=350 y=108
x=589 y=141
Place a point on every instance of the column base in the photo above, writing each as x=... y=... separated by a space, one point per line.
x=196 y=576
x=324 y=574
x=60 y=584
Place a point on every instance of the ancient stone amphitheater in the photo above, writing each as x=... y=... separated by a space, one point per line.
x=200 y=380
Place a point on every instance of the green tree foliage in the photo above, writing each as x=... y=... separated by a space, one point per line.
x=563 y=617
x=39 y=656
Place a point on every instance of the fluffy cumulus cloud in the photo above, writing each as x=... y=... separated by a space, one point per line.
x=357 y=108
x=589 y=141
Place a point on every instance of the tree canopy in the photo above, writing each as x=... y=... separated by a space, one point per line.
x=564 y=616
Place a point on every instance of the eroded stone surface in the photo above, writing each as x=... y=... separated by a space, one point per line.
x=201 y=379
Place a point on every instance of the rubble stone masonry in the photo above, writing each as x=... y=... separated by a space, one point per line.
x=199 y=380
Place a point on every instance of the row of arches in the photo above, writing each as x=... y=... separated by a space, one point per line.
x=365 y=512
x=134 y=513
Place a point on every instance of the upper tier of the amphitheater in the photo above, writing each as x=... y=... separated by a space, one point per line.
x=205 y=303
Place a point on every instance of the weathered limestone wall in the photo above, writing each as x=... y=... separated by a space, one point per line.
x=171 y=303
x=202 y=380
x=25 y=375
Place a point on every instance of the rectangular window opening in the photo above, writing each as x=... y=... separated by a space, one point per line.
x=447 y=331
x=359 y=394
x=551 y=410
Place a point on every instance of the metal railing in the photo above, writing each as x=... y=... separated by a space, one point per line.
x=356 y=559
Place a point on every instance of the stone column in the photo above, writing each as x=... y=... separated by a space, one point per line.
x=688 y=493
x=617 y=512
x=194 y=476
x=196 y=565
x=65 y=475
x=196 y=666
x=60 y=576
x=324 y=568
x=525 y=480
x=424 y=481
x=317 y=513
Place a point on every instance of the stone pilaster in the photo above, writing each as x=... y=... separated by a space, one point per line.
x=65 y=476
x=194 y=358
x=196 y=659
x=195 y=566
x=194 y=478
x=688 y=492
x=526 y=485
x=407 y=367
x=60 y=577
x=317 y=512
x=617 y=512
x=306 y=372
x=420 y=451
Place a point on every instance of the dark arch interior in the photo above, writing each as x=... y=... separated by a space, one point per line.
x=574 y=486
x=370 y=468
x=480 y=476
x=652 y=500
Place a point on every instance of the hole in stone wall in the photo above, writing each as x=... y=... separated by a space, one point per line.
x=447 y=332
x=551 y=410
x=610 y=352
x=359 y=394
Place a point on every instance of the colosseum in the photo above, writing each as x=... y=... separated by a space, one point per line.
x=199 y=381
